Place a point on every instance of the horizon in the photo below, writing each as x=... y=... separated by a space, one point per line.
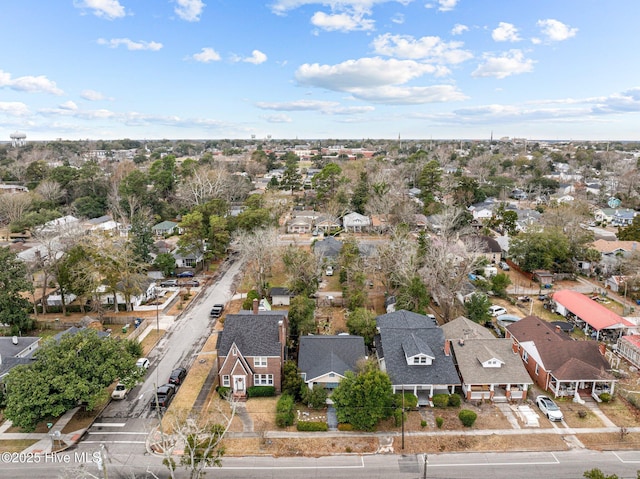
x=109 y=69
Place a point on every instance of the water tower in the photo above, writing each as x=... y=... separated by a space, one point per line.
x=18 y=138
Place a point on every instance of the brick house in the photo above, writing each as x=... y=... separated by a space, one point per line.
x=252 y=350
x=559 y=364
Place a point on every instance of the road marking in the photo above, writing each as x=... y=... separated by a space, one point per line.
x=623 y=460
x=526 y=463
x=359 y=466
x=109 y=424
x=114 y=433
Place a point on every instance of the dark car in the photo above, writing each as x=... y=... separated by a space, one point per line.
x=177 y=376
x=163 y=396
x=185 y=274
x=217 y=310
x=190 y=283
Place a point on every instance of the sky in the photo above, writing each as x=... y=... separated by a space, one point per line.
x=307 y=69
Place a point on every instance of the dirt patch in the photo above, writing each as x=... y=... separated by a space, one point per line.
x=621 y=412
x=262 y=411
x=304 y=446
x=611 y=441
x=579 y=416
x=16 y=445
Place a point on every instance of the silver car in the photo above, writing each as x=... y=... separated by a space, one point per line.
x=549 y=408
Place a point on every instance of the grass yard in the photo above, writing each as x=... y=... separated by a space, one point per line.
x=16 y=445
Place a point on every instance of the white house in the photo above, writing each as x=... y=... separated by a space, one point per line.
x=356 y=223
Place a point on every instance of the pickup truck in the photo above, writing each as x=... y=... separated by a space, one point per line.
x=163 y=396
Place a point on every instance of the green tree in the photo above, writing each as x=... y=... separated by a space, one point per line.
x=292 y=382
x=499 y=284
x=194 y=234
x=301 y=316
x=291 y=179
x=631 y=232
x=76 y=369
x=219 y=236
x=429 y=182
x=477 y=308
x=363 y=399
x=413 y=296
x=14 y=280
x=360 y=194
x=141 y=237
x=327 y=181
x=166 y=263
x=543 y=249
x=598 y=474
x=362 y=322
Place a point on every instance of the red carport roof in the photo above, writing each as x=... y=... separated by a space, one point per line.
x=589 y=311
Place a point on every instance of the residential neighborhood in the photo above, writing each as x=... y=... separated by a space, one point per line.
x=411 y=285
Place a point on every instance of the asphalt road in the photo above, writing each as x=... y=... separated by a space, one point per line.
x=123 y=426
x=531 y=465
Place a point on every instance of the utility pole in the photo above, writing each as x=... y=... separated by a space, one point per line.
x=402 y=417
x=426 y=463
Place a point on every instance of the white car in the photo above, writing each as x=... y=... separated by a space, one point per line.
x=549 y=408
x=120 y=392
x=496 y=311
x=143 y=363
x=329 y=271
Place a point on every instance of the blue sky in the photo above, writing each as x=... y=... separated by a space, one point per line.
x=199 y=69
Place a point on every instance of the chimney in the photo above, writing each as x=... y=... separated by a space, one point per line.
x=447 y=348
x=255 y=305
x=602 y=348
x=558 y=329
x=461 y=341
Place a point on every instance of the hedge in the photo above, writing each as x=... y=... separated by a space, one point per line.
x=410 y=400
x=261 y=391
x=284 y=411
x=467 y=417
x=455 y=400
x=345 y=426
x=223 y=391
x=312 y=426
x=440 y=400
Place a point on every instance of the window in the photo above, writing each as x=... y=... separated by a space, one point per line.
x=260 y=361
x=263 y=379
x=525 y=357
x=419 y=360
x=536 y=369
x=225 y=381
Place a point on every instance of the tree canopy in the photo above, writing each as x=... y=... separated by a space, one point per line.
x=14 y=308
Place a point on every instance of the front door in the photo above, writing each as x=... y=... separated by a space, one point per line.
x=239 y=384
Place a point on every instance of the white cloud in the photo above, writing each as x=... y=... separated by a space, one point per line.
x=92 y=95
x=207 y=55
x=277 y=118
x=425 y=48
x=510 y=63
x=14 y=108
x=68 y=105
x=189 y=10
x=31 y=84
x=447 y=5
x=298 y=105
x=109 y=9
x=556 y=31
x=395 y=95
x=257 y=57
x=398 y=18
x=459 y=29
x=506 y=32
x=130 y=44
x=281 y=7
x=342 y=22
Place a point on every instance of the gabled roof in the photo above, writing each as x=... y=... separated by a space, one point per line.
x=320 y=355
x=532 y=328
x=463 y=328
x=254 y=334
x=164 y=225
x=590 y=311
x=413 y=345
x=473 y=353
x=396 y=331
x=490 y=245
x=329 y=247
x=279 y=291
x=607 y=247
x=574 y=361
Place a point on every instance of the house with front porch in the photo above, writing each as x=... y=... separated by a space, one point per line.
x=412 y=350
x=557 y=363
x=252 y=349
x=356 y=223
x=488 y=367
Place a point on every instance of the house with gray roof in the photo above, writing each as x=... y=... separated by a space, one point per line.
x=328 y=247
x=16 y=350
x=324 y=360
x=252 y=349
x=166 y=228
x=412 y=350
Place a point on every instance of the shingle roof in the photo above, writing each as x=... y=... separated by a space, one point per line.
x=472 y=353
x=254 y=334
x=329 y=247
x=588 y=310
x=400 y=328
x=320 y=355
x=463 y=328
x=532 y=328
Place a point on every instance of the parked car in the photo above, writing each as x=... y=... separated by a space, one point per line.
x=143 y=363
x=163 y=396
x=496 y=311
x=169 y=283
x=217 y=310
x=185 y=274
x=190 y=283
x=120 y=392
x=549 y=408
x=329 y=271
x=177 y=376
x=504 y=266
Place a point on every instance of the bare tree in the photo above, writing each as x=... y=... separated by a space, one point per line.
x=450 y=257
x=206 y=184
x=14 y=206
x=395 y=262
x=259 y=252
x=50 y=191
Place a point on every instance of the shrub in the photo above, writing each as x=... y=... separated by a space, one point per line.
x=605 y=397
x=423 y=423
x=454 y=400
x=284 y=411
x=440 y=400
x=223 y=391
x=312 y=426
x=398 y=415
x=345 y=426
x=261 y=391
x=467 y=417
x=410 y=400
x=315 y=398
x=439 y=422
